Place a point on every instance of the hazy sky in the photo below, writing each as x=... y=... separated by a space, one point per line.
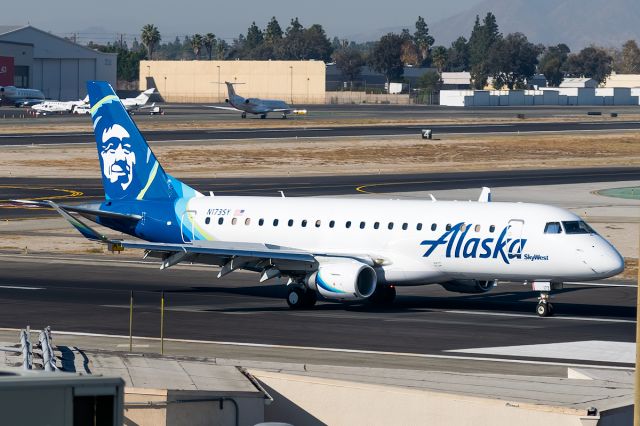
x=226 y=19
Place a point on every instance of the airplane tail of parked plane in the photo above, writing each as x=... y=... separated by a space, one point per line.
x=144 y=96
x=130 y=170
x=230 y=89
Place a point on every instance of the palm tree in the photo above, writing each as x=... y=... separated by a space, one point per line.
x=209 y=42
x=150 y=38
x=196 y=44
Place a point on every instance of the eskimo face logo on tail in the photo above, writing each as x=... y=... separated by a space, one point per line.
x=117 y=155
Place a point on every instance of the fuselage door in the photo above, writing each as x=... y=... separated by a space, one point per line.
x=516 y=227
x=188 y=220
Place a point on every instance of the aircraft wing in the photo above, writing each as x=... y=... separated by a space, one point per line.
x=223 y=108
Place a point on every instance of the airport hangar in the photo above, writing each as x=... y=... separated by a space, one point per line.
x=35 y=59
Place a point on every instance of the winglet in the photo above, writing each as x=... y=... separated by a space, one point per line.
x=485 y=195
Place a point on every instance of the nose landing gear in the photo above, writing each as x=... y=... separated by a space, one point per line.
x=545 y=308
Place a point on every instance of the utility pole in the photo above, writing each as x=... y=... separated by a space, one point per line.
x=636 y=388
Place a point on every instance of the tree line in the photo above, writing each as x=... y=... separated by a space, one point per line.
x=509 y=60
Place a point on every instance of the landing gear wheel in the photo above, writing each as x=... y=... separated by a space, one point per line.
x=542 y=310
x=243 y=115
x=284 y=116
x=310 y=298
x=296 y=298
x=263 y=116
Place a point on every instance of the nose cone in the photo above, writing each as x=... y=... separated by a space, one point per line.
x=605 y=260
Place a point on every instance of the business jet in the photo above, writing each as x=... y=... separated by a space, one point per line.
x=52 y=107
x=340 y=249
x=139 y=102
x=256 y=106
x=19 y=97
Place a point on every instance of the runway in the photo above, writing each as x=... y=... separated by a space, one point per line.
x=91 y=294
x=84 y=190
x=182 y=135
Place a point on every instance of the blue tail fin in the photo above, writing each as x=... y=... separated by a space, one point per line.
x=130 y=171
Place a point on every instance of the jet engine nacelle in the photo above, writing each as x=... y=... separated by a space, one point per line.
x=343 y=279
x=469 y=286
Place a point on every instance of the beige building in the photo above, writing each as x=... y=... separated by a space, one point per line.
x=296 y=82
x=622 y=80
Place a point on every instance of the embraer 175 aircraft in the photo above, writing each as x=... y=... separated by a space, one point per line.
x=256 y=106
x=341 y=249
x=21 y=97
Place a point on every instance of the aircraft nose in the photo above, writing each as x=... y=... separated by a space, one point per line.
x=606 y=260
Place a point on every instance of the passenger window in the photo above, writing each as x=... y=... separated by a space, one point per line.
x=332 y=224
x=348 y=224
x=463 y=227
x=448 y=227
x=376 y=225
x=207 y=220
x=317 y=223
x=362 y=225
x=275 y=222
x=552 y=228
x=477 y=228
x=419 y=227
x=304 y=223
x=405 y=226
x=247 y=221
x=492 y=228
x=234 y=220
x=390 y=225
x=221 y=221
x=290 y=222
x=261 y=222
x=434 y=226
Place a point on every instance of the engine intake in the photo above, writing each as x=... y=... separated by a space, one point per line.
x=343 y=279
x=469 y=286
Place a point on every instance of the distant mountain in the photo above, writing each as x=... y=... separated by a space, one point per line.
x=578 y=23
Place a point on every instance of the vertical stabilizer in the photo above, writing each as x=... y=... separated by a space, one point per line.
x=130 y=170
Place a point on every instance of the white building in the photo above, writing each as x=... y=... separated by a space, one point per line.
x=58 y=67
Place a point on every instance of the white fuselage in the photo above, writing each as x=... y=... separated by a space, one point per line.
x=416 y=242
x=259 y=106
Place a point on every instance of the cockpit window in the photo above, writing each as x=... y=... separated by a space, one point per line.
x=553 y=228
x=577 y=227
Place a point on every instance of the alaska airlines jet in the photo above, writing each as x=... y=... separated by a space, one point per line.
x=340 y=249
x=21 y=97
x=256 y=106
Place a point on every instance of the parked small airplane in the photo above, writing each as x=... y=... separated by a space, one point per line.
x=256 y=106
x=342 y=249
x=139 y=102
x=50 y=107
x=19 y=97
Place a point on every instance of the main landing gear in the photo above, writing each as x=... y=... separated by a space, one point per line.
x=243 y=115
x=263 y=116
x=301 y=298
